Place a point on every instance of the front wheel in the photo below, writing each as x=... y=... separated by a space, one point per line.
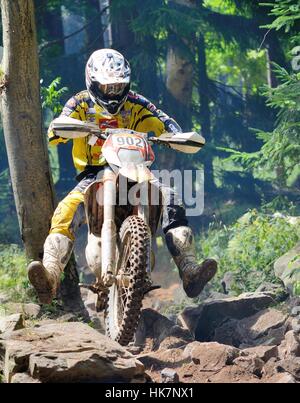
x=125 y=297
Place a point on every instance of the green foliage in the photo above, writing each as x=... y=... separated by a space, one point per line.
x=52 y=95
x=52 y=106
x=286 y=13
x=9 y=228
x=249 y=248
x=280 y=153
x=13 y=274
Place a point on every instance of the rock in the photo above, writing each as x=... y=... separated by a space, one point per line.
x=169 y=376
x=276 y=291
x=260 y=326
x=177 y=337
x=296 y=328
x=210 y=356
x=265 y=353
x=203 y=320
x=214 y=295
x=286 y=268
x=161 y=359
x=270 y=368
x=30 y=311
x=157 y=327
x=295 y=311
x=227 y=333
x=266 y=327
x=281 y=378
x=291 y=366
x=290 y=347
x=228 y=281
x=12 y=323
x=67 y=352
x=250 y=363
x=134 y=350
x=229 y=374
x=274 y=370
x=23 y=378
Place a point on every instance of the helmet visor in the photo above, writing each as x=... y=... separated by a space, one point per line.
x=112 y=91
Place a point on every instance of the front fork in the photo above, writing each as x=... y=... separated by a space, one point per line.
x=109 y=233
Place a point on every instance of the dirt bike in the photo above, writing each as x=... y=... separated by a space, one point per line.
x=120 y=234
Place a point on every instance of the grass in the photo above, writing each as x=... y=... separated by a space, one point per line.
x=13 y=274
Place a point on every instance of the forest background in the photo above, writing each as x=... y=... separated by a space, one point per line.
x=230 y=69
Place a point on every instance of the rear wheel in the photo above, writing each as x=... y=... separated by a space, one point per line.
x=126 y=296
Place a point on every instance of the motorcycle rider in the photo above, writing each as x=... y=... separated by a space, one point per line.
x=109 y=102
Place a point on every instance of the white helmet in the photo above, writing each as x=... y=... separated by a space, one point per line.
x=108 y=79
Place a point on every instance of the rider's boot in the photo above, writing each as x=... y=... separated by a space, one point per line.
x=45 y=277
x=180 y=242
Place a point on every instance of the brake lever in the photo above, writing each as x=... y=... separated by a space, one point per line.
x=156 y=140
x=100 y=134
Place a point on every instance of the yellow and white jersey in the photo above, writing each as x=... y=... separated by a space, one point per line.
x=137 y=114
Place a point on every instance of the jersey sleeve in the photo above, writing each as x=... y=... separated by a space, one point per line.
x=151 y=119
x=72 y=110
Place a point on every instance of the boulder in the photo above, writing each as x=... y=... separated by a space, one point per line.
x=157 y=361
x=229 y=374
x=23 y=378
x=290 y=366
x=158 y=328
x=265 y=353
x=295 y=312
x=66 y=352
x=203 y=320
x=287 y=268
x=280 y=377
x=198 y=363
x=11 y=323
x=290 y=347
x=30 y=311
x=295 y=325
x=285 y=371
x=250 y=363
x=276 y=291
x=210 y=356
x=264 y=328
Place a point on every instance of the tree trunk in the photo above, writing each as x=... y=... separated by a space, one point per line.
x=94 y=32
x=274 y=54
x=180 y=74
x=22 y=123
x=205 y=113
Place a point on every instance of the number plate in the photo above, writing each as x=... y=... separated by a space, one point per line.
x=128 y=141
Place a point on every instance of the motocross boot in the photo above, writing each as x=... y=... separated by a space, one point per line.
x=180 y=242
x=45 y=277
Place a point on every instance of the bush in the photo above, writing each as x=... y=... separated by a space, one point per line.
x=248 y=248
x=13 y=275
